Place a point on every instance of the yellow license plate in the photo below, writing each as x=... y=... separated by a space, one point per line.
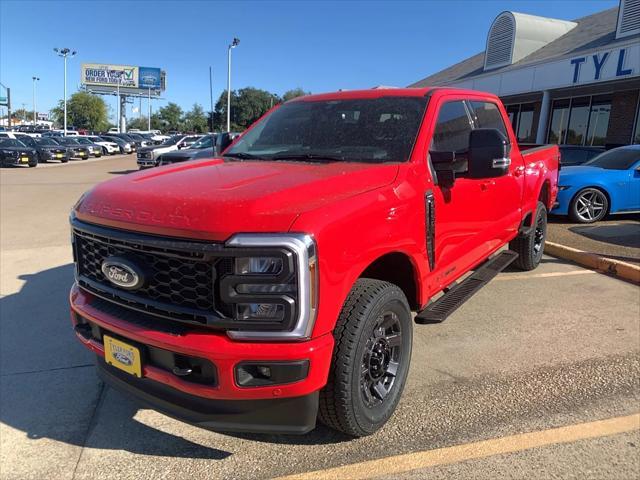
x=58 y=155
x=24 y=159
x=122 y=355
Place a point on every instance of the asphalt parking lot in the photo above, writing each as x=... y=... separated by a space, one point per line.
x=531 y=355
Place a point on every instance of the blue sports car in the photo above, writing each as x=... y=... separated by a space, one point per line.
x=609 y=183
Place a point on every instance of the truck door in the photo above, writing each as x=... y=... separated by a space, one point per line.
x=501 y=195
x=463 y=211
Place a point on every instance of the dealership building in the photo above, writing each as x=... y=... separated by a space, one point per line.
x=569 y=82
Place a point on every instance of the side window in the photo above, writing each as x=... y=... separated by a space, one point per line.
x=452 y=129
x=487 y=115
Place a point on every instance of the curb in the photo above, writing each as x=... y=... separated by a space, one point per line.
x=617 y=268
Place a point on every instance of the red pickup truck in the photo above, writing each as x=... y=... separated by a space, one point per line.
x=276 y=284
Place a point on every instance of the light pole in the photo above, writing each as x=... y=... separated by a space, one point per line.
x=35 y=114
x=149 y=111
x=119 y=106
x=64 y=53
x=233 y=44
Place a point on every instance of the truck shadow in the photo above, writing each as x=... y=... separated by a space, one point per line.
x=49 y=386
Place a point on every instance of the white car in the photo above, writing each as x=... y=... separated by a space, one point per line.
x=147 y=155
x=110 y=148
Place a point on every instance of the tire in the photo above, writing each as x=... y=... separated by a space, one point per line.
x=104 y=151
x=34 y=163
x=372 y=352
x=530 y=248
x=588 y=206
x=65 y=160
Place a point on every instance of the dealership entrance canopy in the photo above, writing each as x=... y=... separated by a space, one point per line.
x=570 y=82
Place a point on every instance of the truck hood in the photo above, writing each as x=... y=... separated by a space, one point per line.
x=213 y=199
x=157 y=149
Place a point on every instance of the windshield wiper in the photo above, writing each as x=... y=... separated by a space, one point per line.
x=308 y=157
x=240 y=155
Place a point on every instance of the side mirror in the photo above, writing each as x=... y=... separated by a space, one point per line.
x=488 y=153
x=223 y=140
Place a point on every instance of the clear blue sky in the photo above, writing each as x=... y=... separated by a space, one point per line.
x=319 y=46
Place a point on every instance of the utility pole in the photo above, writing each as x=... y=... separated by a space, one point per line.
x=24 y=112
x=35 y=113
x=64 y=53
x=232 y=45
x=149 y=111
x=211 y=95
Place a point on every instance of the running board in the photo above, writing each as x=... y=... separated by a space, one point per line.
x=456 y=295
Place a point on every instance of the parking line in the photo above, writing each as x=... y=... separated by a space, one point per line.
x=582 y=271
x=459 y=453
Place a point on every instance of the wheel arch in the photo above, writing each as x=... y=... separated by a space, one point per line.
x=397 y=268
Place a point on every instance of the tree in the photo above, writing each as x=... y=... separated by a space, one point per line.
x=296 y=92
x=170 y=116
x=84 y=110
x=247 y=105
x=138 y=122
x=195 y=120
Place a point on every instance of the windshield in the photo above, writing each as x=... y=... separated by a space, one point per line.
x=172 y=140
x=10 y=142
x=67 y=141
x=616 y=159
x=45 y=142
x=85 y=141
x=361 y=130
x=204 y=142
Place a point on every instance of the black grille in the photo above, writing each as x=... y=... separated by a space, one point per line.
x=179 y=284
x=172 y=280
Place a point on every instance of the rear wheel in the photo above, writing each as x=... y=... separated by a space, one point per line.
x=588 y=206
x=530 y=247
x=33 y=163
x=370 y=360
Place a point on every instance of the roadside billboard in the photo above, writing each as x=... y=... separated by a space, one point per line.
x=107 y=75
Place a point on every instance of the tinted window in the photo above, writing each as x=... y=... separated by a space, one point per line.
x=487 y=115
x=45 y=141
x=598 y=122
x=616 y=159
x=10 y=142
x=452 y=129
x=571 y=156
x=559 y=120
x=578 y=120
x=525 y=125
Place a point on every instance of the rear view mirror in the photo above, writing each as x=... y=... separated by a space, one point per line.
x=488 y=153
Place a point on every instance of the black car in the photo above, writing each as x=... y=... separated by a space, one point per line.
x=577 y=154
x=14 y=153
x=94 y=148
x=135 y=143
x=203 y=148
x=75 y=149
x=46 y=149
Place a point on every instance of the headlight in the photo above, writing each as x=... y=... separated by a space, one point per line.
x=273 y=289
x=563 y=187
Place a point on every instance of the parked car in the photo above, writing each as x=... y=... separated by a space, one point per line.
x=114 y=130
x=140 y=139
x=94 y=148
x=135 y=144
x=108 y=148
x=147 y=156
x=577 y=154
x=607 y=184
x=76 y=150
x=205 y=147
x=124 y=146
x=47 y=149
x=14 y=153
x=277 y=282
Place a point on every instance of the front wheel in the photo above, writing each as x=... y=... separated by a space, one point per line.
x=588 y=206
x=530 y=247
x=370 y=361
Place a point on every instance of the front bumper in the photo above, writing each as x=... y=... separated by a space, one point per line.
x=16 y=161
x=275 y=415
x=168 y=392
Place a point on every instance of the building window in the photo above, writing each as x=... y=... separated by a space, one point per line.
x=521 y=117
x=559 y=120
x=598 y=122
x=580 y=121
x=636 y=130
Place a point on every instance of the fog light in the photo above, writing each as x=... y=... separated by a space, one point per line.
x=265 y=265
x=259 y=311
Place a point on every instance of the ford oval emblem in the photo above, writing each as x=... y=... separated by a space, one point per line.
x=122 y=273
